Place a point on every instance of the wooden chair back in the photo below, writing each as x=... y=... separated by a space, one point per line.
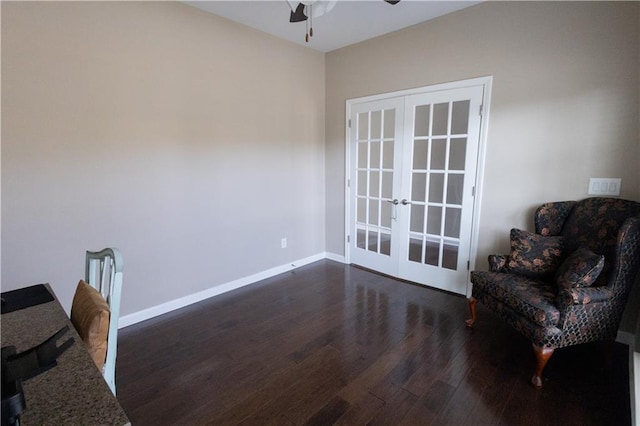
x=103 y=271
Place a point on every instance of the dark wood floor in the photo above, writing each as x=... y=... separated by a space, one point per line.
x=333 y=344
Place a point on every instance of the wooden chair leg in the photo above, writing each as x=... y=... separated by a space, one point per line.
x=472 y=307
x=542 y=357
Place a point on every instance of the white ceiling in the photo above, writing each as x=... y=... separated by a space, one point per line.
x=350 y=21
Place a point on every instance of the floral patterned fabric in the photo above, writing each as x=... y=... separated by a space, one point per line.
x=594 y=224
x=580 y=269
x=498 y=262
x=550 y=217
x=532 y=331
x=531 y=298
x=582 y=296
x=556 y=317
x=534 y=255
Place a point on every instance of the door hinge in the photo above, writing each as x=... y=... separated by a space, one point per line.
x=348 y=238
x=479 y=112
x=349 y=123
x=468 y=265
x=348 y=183
x=473 y=191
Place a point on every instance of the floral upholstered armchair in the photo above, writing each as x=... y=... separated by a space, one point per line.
x=568 y=282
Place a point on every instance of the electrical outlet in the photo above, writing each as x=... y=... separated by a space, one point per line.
x=604 y=186
x=283 y=243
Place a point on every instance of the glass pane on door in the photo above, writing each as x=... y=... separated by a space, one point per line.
x=437 y=185
x=412 y=163
x=375 y=175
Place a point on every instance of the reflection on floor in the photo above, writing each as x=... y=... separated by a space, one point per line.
x=334 y=344
x=431 y=252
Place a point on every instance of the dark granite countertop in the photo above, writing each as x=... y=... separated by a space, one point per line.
x=73 y=392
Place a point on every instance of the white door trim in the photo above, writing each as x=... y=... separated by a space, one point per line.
x=486 y=82
x=482 y=150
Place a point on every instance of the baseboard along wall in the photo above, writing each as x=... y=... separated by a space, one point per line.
x=181 y=302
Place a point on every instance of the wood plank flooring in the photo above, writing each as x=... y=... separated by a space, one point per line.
x=334 y=344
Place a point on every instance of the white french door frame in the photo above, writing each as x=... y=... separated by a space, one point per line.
x=486 y=83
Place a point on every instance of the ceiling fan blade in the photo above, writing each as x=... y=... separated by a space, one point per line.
x=392 y=1
x=319 y=7
x=298 y=15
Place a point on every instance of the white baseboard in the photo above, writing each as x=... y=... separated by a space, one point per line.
x=335 y=257
x=172 y=305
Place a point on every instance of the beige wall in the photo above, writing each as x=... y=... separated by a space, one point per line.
x=565 y=101
x=191 y=143
x=194 y=144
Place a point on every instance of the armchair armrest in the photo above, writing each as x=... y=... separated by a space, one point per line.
x=499 y=262
x=583 y=296
x=550 y=217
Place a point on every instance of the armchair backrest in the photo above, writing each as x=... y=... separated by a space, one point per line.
x=607 y=226
x=611 y=227
x=550 y=217
x=627 y=258
x=594 y=223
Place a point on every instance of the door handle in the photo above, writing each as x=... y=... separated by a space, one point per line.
x=405 y=202
x=394 y=201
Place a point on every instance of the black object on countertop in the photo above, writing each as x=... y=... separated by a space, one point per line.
x=13 y=403
x=22 y=298
x=17 y=367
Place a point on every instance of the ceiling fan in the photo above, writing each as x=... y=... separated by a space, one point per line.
x=306 y=10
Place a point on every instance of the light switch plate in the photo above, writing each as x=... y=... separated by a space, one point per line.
x=604 y=186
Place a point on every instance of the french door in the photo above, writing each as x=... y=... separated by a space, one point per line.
x=413 y=164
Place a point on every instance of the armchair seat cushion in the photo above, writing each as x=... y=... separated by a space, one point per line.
x=531 y=298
